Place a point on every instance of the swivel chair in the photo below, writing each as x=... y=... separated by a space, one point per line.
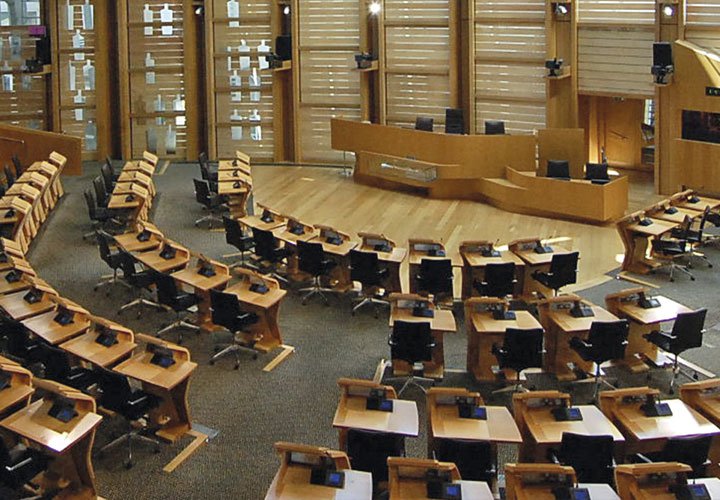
x=687 y=333
x=606 y=342
x=558 y=169
x=413 y=343
x=597 y=173
x=171 y=296
x=57 y=367
x=475 y=460
x=369 y=450
x=693 y=237
x=102 y=193
x=494 y=127
x=112 y=259
x=692 y=451
x=424 y=123
x=521 y=349
x=311 y=260
x=100 y=217
x=235 y=236
x=9 y=177
x=454 y=121
x=499 y=280
x=142 y=281
x=365 y=269
x=19 y=465
x=590 y=456
x=19 y=168
x=226 y=312
x=563 y=271
x=106 y=172
x=436 y=278
x=212 y=201
x=271 y=255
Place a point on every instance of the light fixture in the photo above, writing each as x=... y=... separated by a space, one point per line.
x=375 y=8
x=561 y=9
x=286 y=10
x=668 y=10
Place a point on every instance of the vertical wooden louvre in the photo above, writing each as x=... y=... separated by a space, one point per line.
x=329 y=83
x=418 y=60
x=239 y=47
x=702 y=23
x=615 y=47
x=510 y=64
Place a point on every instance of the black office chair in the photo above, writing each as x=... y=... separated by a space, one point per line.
x=111 y=169
x=494 y=127
x=475 y=460
x=107 y=174
x=558 y=169
x=670 y=251
x=173 y=297
x=436 y=278
x=369 y=450
x=271 y=255
x=57 y=367
x=9 y=176
x=499 y=280
x=102 y=195
x=424 y=123
x=19 y=168
x=19 y=465
x=100 y=217
x=365 y=269
x=133 y=405
x=312 y=260
x=693 y=237
x=597 y=173
x=209 y=176
x=521 y=349
x=141 y=281
x=204 y=162
x=606 y=341
x=226 y=312
x=19 y=344
x=212 y=201
x=592 y=457
x=235 y=236
x=563 y=271
x=412 y=342
x=111 y=258
x=454 y=121
x=687 y=333
x=692 y=451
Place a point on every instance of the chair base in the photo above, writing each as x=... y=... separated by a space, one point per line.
x=180 y=323
x=141 y=302
x=675 y=266
x=210 y=218
x=316 y=289
x=128 y=439
x=411 y=381
x=241 y=263
x=234 y=349
x=110 y=279
x=364 y=301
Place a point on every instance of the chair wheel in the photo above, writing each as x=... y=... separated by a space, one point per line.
x=95 y=289
x=352 y=313
x=212 y=362
x=156 y=450
x=692 y=278
x=128 y=465
x=236 y=367
x=304 y=303
x=672 y=280
x=255 y=356
x=671 y=391
x=710 y=265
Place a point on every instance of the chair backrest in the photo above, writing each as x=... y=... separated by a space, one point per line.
x=596 y=171
x=688 y=330
x=590 y=456
x=9 y=176
x=523 y=349
x=692 y=451
x=233 y=231
x=703 y=220
x=412 y=341
x=559 y=169
x=205 y=172
x=310 y=257
x=608 y=339
x=369 y=451
x=202 y=191
x=494 y=127
x=103 y=241
x=91 y=205
x=107 y=175
x=127 y=264
x=499 y=279
x=18 y=165
x=264 y=243
x=56 y=362
x=436 y=275
x=203 y=159
x=474 y=459
x=5 y=459
x=100 y=191
x=108 y=162
x=115 y=388
x=454 y=121
x=167 y=289
x=364 y=267
x=225 y=308
x=564 y=268
x=424 y=123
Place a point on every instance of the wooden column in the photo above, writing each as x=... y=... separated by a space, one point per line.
x=562 y=91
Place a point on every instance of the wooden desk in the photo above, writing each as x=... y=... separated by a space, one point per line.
x=130 y=243
x=52 y=332
x=121 y=202
x=232 y=175
x=426 y=249
x=237 y=192
x=474 y=263
x=408 y=479
x=483 y=330
x=12 y=287
x=20 y=390
x=525 y=250
x=636 y=240
x=561 y=326
x=202 y=285
x=87 y=348
x=624 y=304
x=337 y=252
x=256 y=221
x=652 y=481
x=677 y=218
x=170 y=384
x=17 y=308
x=401 y=309
x=284 y=233
x=293 y=483
x=70 y=443
x=703 y=397
x=153 y=260
x=683 y=199
x=392 y=259
x=266 y=306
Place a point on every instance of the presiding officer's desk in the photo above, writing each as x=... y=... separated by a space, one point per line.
x=250 y=291
x=636 y=238
x=90 y=345
x=476 y=255
x=65 y=321
x=170 y=384
x=337 y=246
x=648 y=434
x=483 y=330
x=628 y=304
x=69 y=443
x=537 y=482
x=561 y=326
x=292 y=481
x=27 y=303
x=525 y=249
x=401 y=308
x=19 y=387
x=352 y=411
x=388 y=254
x=541 y=431
x=408 y=479
x=653 y=481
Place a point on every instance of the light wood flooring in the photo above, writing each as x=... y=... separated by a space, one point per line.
x=319 y=195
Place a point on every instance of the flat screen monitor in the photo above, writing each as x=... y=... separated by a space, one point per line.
x=558 y=169
x=494 y=127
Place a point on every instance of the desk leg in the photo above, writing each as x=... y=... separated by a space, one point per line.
x=713 y=469
x=204 y=314
x=436 y=368
x=340 y=274
x=637 y=345
x=73 y=468
x=531 y=285
x=342 y=439
x=414 y=269
x=638 y=261
x=480 y=359
x=267 y=326
x=468 y=276
x=173 y=415
x=392 y=283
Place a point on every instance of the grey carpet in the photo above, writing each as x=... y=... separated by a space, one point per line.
x=296 y=402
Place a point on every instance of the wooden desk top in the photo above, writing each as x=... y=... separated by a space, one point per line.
x=14 y=394
x=232 y=175
x=85 y=347
x=353 y=415
x=657 y=228
x=476 y=259
x=283 y=234
x=33 y=423
x=683 y=422
x=416 y=489
x=130 y=243
x=19 y=309
x=678 y=217
x=499 y=426
x=416 y=257
x=264 y=300
x=157 y=263
x=396 y=255
x=119 y=201
x=54 y=333
x=228 y=187
x=569 y=324
x=700 y=205
x=531 y=258
x=667 y=311
x=254 y=221
x=127 y=175
x=7 y=287
x=341 y=249
x=544 y=492
x=190 y=277
x=140 y=368
x=444 y=321
x=293 y=483
x=546 y=430
x=660 y=491
x=485 y=323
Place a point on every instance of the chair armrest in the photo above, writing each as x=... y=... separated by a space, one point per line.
x=660 y=333
x=639 y=458
x=138 y=400
x=552 y=456
x=578 y=343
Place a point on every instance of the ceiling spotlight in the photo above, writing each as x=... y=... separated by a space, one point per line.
x=375 y=8
x=562 y=9
x=668 y=10
x=286 y=10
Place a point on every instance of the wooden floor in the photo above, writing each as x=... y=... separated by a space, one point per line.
x=322 y=196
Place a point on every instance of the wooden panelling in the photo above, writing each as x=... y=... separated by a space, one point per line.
x=702 y=19
x=34 y=145
x=624 y=12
